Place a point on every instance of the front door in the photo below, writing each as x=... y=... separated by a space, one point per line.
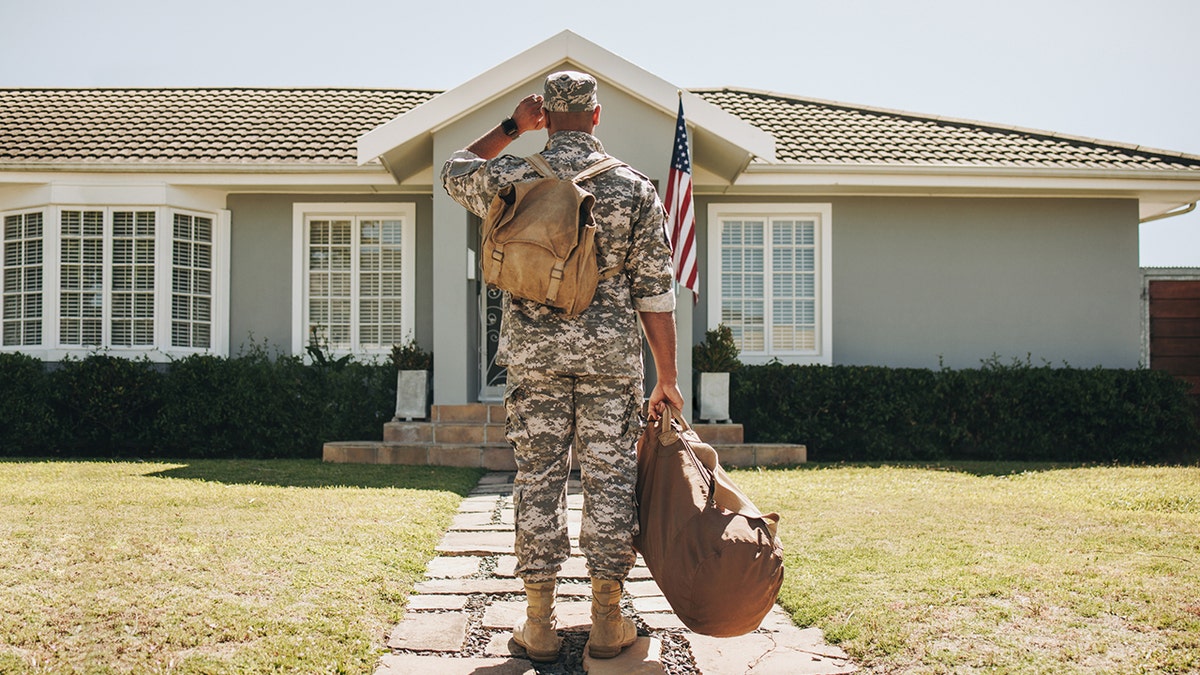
x=492 y=376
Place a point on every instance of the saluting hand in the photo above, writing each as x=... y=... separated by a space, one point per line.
x=529 y=115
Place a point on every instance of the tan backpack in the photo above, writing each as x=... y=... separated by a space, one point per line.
x=539 y=239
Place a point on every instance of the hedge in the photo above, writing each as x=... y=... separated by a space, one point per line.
x=249 y=406
x=1015 y=412
x=258 y=406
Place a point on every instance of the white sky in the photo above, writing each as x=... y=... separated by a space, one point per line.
x=1123 y=70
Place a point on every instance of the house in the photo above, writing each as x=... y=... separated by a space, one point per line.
x=165 y=222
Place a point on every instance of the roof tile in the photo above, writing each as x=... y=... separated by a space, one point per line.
x=815 y=132
x=320 y=127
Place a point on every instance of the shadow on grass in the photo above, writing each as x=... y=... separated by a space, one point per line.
x=318 y=474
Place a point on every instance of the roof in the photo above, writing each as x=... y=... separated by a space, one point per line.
x=320 y=127
x=189 y=126
x=815 y=132
x=724 y=143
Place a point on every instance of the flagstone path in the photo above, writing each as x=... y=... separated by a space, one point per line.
x=459 y=619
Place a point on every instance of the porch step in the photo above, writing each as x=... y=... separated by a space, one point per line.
x=473 y=435
x=500 y=458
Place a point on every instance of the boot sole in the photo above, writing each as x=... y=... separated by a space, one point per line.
x=606 y=652
x=541 y=657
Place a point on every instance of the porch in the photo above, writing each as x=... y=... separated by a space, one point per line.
x=472 y=435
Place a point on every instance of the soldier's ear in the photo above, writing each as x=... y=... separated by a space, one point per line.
x=596 y=116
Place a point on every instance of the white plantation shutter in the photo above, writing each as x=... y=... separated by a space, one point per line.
x=191 y=281
x=774 y=282
x=381 y=289
x=330 y=254
x=23 y=280
x=743 y=283
x=133 y=257
x=357 y=282
x=793 y=318
x=81 y=278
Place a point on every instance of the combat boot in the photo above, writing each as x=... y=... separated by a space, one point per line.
x=611 y=632
x=537 y=631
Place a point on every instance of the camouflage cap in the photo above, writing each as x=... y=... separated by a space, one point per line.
x=570 y=91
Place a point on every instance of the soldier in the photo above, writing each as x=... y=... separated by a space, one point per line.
x=578 y=379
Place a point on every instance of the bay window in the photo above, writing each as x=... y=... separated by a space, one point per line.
x=129 y=279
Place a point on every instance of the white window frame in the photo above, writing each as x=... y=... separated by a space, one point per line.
x=302 y=213
x=822 y=214
x=52 y=349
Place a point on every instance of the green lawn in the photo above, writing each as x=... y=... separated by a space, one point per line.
x=289 y=566
x=212 y=566
x=993 y=568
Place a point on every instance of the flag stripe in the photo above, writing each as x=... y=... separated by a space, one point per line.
x=681 y=220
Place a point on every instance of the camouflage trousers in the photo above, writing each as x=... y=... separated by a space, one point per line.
x=600 y=417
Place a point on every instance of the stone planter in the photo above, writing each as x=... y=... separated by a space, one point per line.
x=714 y=397
x=412 y=395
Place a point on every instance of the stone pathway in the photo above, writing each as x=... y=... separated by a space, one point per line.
x=459 y=620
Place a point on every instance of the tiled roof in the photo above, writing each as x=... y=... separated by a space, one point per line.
x=188 y=126
x=242 y=126
x=814 y=132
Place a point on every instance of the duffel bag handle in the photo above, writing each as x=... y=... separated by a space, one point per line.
x=722 y=490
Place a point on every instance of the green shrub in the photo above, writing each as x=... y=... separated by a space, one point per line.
x=258 y=405
x=254 y=405
x=718 y=353
x=996 y=412
x=27 y=422
x=105 y=405
x=410 y=356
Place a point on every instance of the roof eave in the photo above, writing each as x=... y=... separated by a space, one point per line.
x=177 y=167
x=1157 y=190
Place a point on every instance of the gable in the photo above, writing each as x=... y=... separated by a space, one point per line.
x=722 y=142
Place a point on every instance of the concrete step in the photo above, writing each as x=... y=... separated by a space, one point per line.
x=499 y=456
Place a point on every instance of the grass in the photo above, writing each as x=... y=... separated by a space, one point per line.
x=212 y=566
x=299 y=566
x=993 y=568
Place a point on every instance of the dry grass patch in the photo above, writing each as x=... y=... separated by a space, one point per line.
x=212 y=566
x=1012 y=568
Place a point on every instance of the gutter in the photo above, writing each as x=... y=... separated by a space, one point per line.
x=1170 y=214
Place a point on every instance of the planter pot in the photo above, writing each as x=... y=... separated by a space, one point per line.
x=714 y=397
x=412 y=395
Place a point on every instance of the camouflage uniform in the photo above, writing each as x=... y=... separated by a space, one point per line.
x=577 y=381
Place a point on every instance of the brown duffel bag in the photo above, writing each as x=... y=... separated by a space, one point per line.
x=717 y=558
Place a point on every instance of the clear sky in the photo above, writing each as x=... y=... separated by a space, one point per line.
x=1122 y=70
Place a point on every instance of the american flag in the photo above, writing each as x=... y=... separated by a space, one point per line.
x=681 y=218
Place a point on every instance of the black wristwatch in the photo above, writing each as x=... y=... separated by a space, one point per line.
x=509 y=125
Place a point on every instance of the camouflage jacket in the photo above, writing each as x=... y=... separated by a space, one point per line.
x=604 y=339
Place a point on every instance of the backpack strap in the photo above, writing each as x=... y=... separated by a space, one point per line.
x=598 y=168
x=538 y=162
